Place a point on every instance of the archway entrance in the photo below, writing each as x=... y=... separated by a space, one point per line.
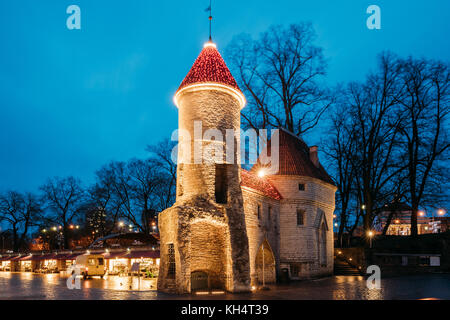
x=199 y=281
x=265 y=264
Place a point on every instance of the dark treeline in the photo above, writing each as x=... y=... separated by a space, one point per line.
x=126 y=196
x=387 y=137
x=387 y=141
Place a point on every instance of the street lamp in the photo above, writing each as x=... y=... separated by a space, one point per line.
x=121 y=225
x=441 y=212
x=370 y=234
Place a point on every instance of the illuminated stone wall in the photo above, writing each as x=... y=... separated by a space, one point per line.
x=300 y=245
x=207 y=236
x=260 y=229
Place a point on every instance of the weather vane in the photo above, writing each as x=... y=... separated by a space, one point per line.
x=210 y=18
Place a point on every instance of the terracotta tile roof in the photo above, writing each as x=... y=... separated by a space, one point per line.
x=294 y=158
x=262 y=185
x=209 y=67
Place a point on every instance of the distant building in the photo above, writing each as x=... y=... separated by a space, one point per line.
x=398 y=216
x=440 y=224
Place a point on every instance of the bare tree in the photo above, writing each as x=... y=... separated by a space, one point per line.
x=373 y=109
x=425 y=108
x=339 y=149
x=20 y=212
x=281 y=74
x=135 y=186
x=103 y=207
x=162 y=158
x=63 y=198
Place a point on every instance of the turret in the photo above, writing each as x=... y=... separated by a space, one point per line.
x=204 y=241
x=209 y=103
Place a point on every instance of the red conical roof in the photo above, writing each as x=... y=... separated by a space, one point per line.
x=209 y=67
x=294 y=158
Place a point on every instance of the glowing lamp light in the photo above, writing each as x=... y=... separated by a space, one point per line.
x=335 y=224
x=370 y=233
x=441 y=212
x=421 y=213
x=261 y=173
x=121 y=224
x=397 y=221
x=209 y=44
x=363 y=207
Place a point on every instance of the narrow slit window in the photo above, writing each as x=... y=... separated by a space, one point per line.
x=171 y=260
x=221 y=183
x=300 y=217
x=301 y=187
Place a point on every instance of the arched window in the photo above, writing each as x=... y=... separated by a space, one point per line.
x=323 y=244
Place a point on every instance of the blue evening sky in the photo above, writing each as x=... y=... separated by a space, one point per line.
x=73 y=100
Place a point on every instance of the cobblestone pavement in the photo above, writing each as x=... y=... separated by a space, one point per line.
x=51 y=286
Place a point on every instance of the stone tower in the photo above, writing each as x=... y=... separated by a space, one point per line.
x=204 y=243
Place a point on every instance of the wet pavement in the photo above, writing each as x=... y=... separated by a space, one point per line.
x=30 y=286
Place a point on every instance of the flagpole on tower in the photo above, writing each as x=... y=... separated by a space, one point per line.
x=210 y=19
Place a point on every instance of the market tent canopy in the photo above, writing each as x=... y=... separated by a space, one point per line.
x=7 y=258
x=26 y=258
x=113 y=255
x=72 y=256
x=142 y=254
x=50 y=256
x=16 y=258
